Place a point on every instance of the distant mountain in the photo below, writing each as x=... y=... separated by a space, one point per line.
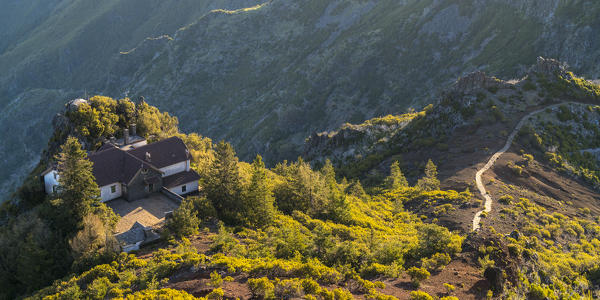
x=266 y=75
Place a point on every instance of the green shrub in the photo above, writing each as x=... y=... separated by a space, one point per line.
x=216 y=294
x=342 y=294
x=420 y=295
x=215 y=279
x=449 y=288
x=516 y=169
x=506 y=199
x=310 y=286
x=288 y=288
x=437 y=262
x=417 y=275
x=98 y=288
x=262 y=288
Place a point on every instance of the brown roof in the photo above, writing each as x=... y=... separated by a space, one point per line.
x=112 y=164
x=163 y=153
x=180 y=178
x=115 y=165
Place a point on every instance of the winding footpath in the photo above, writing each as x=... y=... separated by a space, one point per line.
x=490 y=163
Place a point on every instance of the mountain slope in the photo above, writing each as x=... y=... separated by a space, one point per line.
x=266 y=77
x=395 y=239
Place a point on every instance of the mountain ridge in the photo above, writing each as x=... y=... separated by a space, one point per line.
x=318 y=64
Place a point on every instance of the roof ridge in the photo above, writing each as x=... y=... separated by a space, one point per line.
x=142 y=161
x=154 y=144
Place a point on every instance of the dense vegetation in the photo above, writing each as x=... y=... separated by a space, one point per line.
x=296 y=229
x=292 y=229
x=45 y=237
x=313 y=232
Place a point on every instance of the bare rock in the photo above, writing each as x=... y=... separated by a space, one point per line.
x=495 y=277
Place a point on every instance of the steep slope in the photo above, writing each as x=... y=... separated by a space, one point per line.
x=54 y=50
x=550 y=113
x=266 y=77
x=396 y=241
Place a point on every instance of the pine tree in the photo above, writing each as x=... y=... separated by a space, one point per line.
x=258 y=198
x=396 y=179
x=303 y=189
x=78 y=191
x=430 y=182
x=185 y=220
x=338 y=207
x=356 y=189
x=222 y=186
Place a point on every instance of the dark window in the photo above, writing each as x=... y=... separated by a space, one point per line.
x=54 y=189
x=150 y=187
x=113 y=189
x=55 y=175
x=183 y=189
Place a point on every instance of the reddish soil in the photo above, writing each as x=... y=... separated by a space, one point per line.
x=467 y=280
x=198 y=284
x=537 y=183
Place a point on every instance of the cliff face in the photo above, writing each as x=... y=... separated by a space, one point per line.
x=266 y=76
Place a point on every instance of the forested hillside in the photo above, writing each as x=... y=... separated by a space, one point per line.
x=266 y=74
x=392 y=222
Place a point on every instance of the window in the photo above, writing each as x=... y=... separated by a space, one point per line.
x=55 y=175
x=183 y=188
x=54 y=188
x=150 y=187
x=113 y=189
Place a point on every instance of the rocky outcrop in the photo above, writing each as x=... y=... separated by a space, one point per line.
x=478 y=80
x=549 y=66
x=495 y=277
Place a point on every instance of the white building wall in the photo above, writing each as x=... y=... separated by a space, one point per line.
x=176 y=168
x=190 y=187
x=105 y=192
x=50 y=180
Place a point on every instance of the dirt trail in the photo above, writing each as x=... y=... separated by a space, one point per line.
x=490 y=163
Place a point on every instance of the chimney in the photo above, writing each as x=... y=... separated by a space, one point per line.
x=133 y=131
x=125 y=136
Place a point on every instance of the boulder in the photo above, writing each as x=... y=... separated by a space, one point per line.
x=495 y=277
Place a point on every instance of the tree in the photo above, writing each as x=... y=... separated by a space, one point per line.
x=93 y=244
x=31 y=255
x=338 y=208
x=78 y=191
x=258 y=198
x=126 y=111
x=222 y=185
x=184 y=221
x=303 y=189
x=396 y=179
x=356 y=189
x=150 y=121
x=430 y=182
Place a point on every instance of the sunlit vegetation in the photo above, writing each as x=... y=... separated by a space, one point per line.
x=292 y=231
x=46 y=237
x=561 y=143
x=559 y=252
